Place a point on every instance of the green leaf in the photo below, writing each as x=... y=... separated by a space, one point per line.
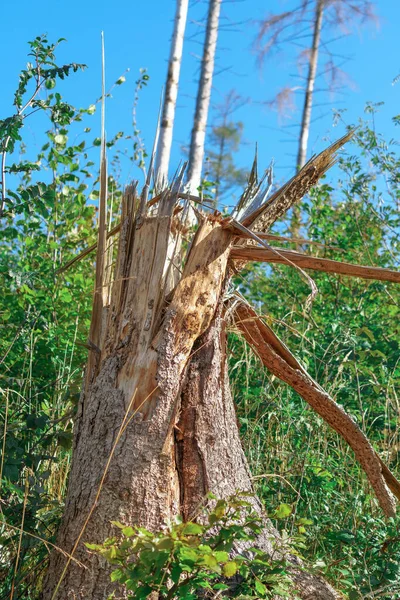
x=260 y=587
x=117 y=575
x=208 y=560
x=282 y=511
x=221 y=556
x=230 y=568
x=165 y=543
x=192 y=529
x=93 y=546
x=118 y=524
x=304 y=521
x=187 y=555
x=50 y=83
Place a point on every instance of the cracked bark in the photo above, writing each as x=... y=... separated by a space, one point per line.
x=162 y=353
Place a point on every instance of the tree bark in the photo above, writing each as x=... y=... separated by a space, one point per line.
x=197 y=142
x=171 y=94
x=161 y=368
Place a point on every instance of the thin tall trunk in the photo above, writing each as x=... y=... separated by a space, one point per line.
x=295 y=224
x=171 y=94
x=197 y=142
x=218 y=170
x=308 y=99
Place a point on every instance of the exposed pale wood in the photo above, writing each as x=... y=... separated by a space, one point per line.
x=294 y=190
x=253 y=253
x=96 y=331
x=258 y=335
x=117 y=228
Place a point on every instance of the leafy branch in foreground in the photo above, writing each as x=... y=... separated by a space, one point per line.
x=39 y=74
x=185 y=558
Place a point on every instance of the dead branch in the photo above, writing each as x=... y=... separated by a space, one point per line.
x=326 y=265
x=291 y=240
x=269 y=349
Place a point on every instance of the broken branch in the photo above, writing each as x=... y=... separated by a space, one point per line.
x=294 y=190
x=254 y=253
x=267 y=346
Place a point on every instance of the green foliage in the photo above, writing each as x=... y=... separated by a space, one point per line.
x=44 y=316
x=349 y=342
x=40 y=74
x=190 y=558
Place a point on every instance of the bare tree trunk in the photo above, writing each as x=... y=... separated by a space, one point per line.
x=171 y=94
x=307 y=108
x=308 y=99
x=197 y=142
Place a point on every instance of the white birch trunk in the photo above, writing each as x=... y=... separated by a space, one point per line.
x=196 y=153
x=171 y=94
x=312 y=71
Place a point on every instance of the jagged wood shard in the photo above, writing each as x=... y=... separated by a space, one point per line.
x=294 y=190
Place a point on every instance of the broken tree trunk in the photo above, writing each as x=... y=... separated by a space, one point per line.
x=156 y=428
x=162 y=364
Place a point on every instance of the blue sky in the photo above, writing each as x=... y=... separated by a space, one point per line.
x=137 y=34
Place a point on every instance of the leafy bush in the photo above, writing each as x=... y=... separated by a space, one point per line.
x=214 y=553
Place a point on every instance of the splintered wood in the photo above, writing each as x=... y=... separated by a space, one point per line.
x=157 y=366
